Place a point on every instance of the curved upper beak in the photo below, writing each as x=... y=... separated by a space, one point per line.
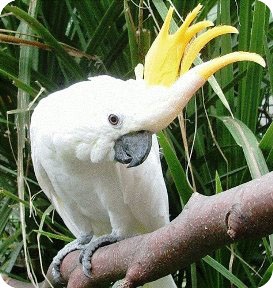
x=133 y=148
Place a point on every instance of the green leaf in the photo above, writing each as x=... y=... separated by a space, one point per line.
x=132 y=35
x=267 y=275
x=218 y=183
x=8 y=265
x=266 y=144
x=5 y=212
x=27 y=204
x=68 y=61
x=113 y=11
x=247 y=140
x=194 y=276
x=250 y=94
x=226 y=74
x=54 y=236
x=177 y=171
x=18 y=83
x=269 y=62
x=5 y=243
x=224 y=271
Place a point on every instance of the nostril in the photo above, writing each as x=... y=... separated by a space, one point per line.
x=128 y=154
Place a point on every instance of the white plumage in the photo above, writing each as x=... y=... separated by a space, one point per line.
x=73 y=154
x=75 y=142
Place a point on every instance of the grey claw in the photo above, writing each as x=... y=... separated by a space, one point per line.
x=56 y=273
x=91 y=247
x=77 y=244
x=87 y=269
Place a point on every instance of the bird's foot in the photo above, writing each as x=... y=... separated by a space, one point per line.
x=78 y=244
x=91 y=247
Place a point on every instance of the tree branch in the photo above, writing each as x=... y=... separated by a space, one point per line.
x=205 y=224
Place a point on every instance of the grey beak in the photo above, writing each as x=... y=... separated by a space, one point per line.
x=133 y=148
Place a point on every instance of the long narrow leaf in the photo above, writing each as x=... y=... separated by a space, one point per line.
x=68 y=61
x=18 y=83
x=247 y=140
x=224 y=271
x=250 y=97
x=177 y=172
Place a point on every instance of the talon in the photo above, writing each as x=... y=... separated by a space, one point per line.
x=90 y=249
x=77 y=244
x=87 y=270
x=56 y=273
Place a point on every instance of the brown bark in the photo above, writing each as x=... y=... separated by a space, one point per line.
x=205 y=224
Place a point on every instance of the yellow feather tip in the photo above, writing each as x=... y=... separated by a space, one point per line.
x=207 y=69
x=172 y=55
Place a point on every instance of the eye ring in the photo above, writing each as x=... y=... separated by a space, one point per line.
x=114 y=120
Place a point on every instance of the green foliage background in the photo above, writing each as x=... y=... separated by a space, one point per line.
x=111 y=37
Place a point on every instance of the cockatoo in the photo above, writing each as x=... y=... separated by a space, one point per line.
x=94 y=145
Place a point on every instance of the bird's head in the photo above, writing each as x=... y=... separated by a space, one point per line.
x=115 y=119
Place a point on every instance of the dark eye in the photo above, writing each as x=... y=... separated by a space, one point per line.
x=113 y=119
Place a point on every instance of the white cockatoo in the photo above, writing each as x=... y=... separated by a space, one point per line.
x=94 y=148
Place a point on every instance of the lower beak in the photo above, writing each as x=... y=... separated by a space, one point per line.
x=133 y=148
